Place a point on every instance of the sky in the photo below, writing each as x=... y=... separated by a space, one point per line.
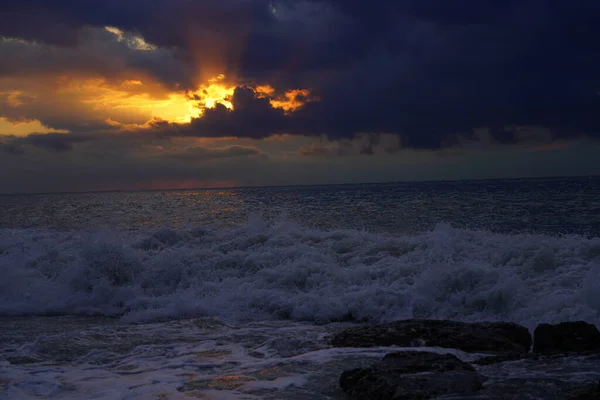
x=167 y=94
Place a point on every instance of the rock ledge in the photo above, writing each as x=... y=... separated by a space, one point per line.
x=485 y=337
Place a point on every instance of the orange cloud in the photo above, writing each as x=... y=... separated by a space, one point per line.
x=121 y=105
x=76 y=102
x=24 y=128
x=208 y=95
x=12 y=98
x=290 y=101
x=175 y=107
x=143 y=102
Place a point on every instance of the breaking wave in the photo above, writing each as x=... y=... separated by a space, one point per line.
x=281 y=270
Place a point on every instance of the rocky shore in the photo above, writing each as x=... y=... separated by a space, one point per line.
x=559 y=362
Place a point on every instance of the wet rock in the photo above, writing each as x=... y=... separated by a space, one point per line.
x=566 y=337
x=539 y=376
x=534 y=389
x=411 y=375
x=591 y=394
x=515 y=376
x=21 y=360
x=525 y=357
x=497 y=337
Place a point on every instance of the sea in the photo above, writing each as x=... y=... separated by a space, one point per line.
x=232 y=293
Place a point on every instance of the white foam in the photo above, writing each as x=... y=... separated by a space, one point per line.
x=283 y=271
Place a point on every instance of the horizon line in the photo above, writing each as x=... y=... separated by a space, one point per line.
x=297 y=185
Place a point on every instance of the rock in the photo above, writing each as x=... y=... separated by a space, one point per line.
x=566 y=337
x=411 y=375
x=533 y=357
x=539 y=376
x=592 y=394
x=21 y=360
x=411 y=362
x=492 y=337
x=537 y=388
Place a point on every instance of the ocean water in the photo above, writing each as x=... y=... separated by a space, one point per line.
x=232 y=293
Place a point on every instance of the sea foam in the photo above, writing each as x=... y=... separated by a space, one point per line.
x=266 y=271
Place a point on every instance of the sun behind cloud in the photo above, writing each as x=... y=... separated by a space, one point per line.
x=179 y=107
x=208 y=95
x=182 y=107
x=135 y=102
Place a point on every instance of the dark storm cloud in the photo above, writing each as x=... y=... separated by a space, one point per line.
x=197 y=32
x=98 y=53
x=10 y=148
x=251 y=117
x=57 y=142
x=430 y=71
x=362 y=145
x=450 y=67
x=163 y=22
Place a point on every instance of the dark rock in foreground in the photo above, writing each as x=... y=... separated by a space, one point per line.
x=565 y=364
x=22 y=360
x=411 y=375
x=540 y=376
x=493 y=337
x=523 y=376
x=591 y=394
x=575 y=337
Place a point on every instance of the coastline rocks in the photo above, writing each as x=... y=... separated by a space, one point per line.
x=411 y=375
x=566 y=337
x=492 y=337
x=565 y=363
x=591 y=394
x=552 y=376
x=425 y=375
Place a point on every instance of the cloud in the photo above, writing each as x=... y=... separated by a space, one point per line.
x=98 y=52
x=124 y=162
x=193 y=30
x=368 y=145
x=10 y=148
x=56 y=142
x=88 y=104
x=252 y=116
x=211 y=153
x=428 y=71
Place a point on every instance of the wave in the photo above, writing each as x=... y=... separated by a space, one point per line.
x=262 y=271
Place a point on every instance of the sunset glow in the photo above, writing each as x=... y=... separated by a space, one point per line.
x=208 y=95
x=132 y=99
x=292 y=99
x=136 y=102
x=23 y=128
x=130 y=102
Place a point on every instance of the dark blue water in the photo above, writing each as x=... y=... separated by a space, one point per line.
x=552 y=206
